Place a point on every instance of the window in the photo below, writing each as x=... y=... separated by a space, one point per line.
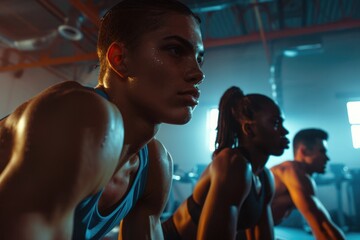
x=353 y=109
x=212 y=118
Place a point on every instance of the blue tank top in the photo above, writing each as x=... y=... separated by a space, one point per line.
x=90 y=224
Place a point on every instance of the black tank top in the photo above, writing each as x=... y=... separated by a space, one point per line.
x=251 y=209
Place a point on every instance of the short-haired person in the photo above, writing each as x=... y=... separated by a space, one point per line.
x=295 y=187
x=76 y=161
x=231 y=200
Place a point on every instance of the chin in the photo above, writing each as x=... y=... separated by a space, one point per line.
x=180 y=120
x=278 y=152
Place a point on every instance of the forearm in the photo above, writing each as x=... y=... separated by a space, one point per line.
x=218 y=223
x=145 y=227
x=333 y=232
x=325 y=229
x=265 y=229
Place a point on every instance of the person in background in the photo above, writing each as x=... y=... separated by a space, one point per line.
x=231 y=200
x=295 y=187
x=76 y=161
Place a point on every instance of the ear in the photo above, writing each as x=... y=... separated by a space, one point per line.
x=303 y=150
x=247 y=129
x=116 y=58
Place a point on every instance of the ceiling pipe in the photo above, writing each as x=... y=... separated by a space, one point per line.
x=31 y=44
x=255 y=37
x=51 y=62
x=262 y=32
x=215 y=6
x=60 y=15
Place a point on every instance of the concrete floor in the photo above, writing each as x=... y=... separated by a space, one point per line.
x=287 y=233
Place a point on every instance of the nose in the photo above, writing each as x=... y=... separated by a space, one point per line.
x=285 y=131
x=195 y=75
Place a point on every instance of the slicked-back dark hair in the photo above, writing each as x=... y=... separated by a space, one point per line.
x=308 y=137
x=229 y=130
x=128 y=20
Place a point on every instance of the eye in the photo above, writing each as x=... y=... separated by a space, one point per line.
x=277 y=124
x=175 y=50
x=200 y=60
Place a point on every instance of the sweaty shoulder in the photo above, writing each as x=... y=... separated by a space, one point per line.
x=292 y=174
x=70 y=101
x=64 y=97
x=230 y=162
x=286 y=168
x=72 y=117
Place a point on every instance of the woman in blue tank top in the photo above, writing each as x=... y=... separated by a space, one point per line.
x=76 y=162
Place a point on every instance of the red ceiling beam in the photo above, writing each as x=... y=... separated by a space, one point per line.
x=51 y=61
x=88 y=10
x=255 y=37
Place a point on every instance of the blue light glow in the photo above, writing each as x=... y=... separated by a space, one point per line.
x=212 y=118
x=353 y=109
x=355 y=132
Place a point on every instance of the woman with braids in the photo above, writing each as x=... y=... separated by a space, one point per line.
x=231 y=199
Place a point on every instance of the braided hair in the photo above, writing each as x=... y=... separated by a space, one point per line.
x=235 y=109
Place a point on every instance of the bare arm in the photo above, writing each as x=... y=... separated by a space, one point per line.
x=230 y=184
x=302 y=190
x=143 y=221
x=68 y=140
x=73 y=133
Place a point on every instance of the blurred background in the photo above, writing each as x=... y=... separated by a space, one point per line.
x=305 y=54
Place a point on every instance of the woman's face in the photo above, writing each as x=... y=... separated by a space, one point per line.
x=269 y=132
x=165 y=70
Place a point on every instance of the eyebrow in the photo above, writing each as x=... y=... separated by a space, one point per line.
x=279 y=118
x=186 y=43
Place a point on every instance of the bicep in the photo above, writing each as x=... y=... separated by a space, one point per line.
x=263 y=230
x=147 y=211
x=140 y=224
x=159 y=177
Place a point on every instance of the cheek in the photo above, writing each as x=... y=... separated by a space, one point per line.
x=155 y=69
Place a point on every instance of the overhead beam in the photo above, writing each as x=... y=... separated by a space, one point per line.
x=209 y=43
x=51 y=62
x=256 y=37
x=88 y=10
x=216 y=6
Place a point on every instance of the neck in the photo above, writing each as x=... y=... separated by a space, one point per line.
x=256 y=158
x=303 y=165
x=138 y=130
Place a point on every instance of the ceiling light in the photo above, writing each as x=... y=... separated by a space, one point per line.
x=69 y=32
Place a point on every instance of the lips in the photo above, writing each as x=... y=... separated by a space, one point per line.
x=285 y=142
x=190 y=97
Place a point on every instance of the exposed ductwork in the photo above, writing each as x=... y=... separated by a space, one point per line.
x=31 y=44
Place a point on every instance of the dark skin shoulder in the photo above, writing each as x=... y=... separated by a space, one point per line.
x=229 y=170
